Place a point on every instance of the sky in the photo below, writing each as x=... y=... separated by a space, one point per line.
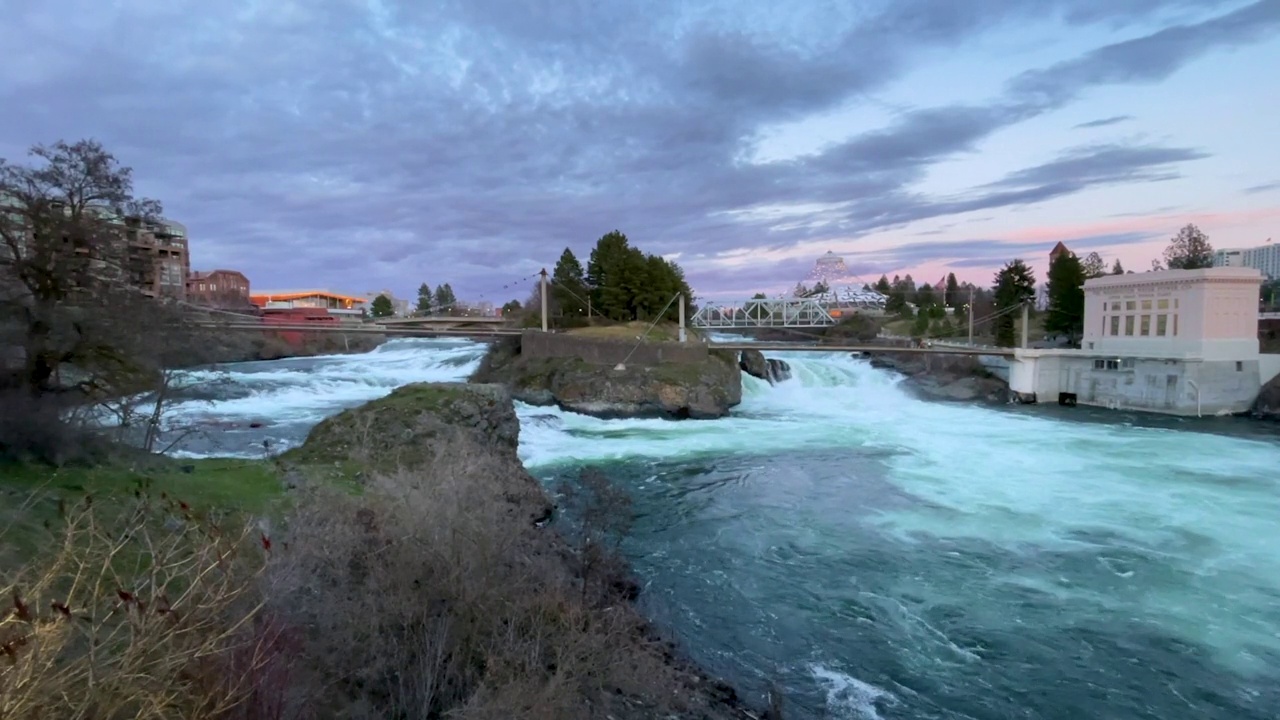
x=362 y=145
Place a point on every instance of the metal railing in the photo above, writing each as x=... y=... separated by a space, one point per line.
x=763 y=313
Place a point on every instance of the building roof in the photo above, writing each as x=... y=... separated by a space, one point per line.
x=283 y=295
x=1162 y=277
x=1058 y=250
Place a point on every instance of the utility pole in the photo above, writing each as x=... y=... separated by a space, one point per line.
x=970 y=314
x=682 y=334
x=543 y=293
x=1026 y=322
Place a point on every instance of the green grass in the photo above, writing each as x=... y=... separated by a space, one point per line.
x=31 y=495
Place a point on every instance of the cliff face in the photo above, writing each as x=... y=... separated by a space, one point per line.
x=698 y=390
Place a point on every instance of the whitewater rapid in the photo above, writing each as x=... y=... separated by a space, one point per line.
x=921 y=521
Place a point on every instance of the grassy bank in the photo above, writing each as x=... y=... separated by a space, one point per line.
x=152 y=588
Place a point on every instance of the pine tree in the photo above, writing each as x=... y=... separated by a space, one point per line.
x=882 y=286
x=953 y=291
x=1117 y=268
x=381 y=307
x=445 y=299
x=569 y=286
x=424 y=299
x=1066 y=296
x=1015 y=284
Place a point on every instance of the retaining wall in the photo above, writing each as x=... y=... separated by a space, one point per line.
x=598 y=351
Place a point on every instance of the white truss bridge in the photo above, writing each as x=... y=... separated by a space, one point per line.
x=767 y=312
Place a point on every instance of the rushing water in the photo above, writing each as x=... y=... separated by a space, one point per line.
x=883 y=557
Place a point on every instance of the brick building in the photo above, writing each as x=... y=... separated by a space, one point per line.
x=224 y=289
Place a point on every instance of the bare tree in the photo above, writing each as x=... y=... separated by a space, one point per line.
x=64 y=234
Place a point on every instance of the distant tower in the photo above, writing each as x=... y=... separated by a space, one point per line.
x=828 y=269
x=1058 y=250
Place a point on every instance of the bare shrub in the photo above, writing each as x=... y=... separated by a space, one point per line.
x=432 y=594
x=146 y=612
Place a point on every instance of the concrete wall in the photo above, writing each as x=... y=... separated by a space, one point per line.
x=537 y=344
x=1174 y=386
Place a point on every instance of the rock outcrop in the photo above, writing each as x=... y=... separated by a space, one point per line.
x=755 y=364
x=417 y=426
x=678 y=390
x=945 y=377
x=463 y=437
x=1267 y=406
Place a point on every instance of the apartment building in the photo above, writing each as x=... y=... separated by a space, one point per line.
x=149 y=254
x=1264 y=258
x=158 y=257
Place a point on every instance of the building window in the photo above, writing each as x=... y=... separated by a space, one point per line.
x=1162 y=304
x=1128 y=325
x=1115 y=325
x=1162 y=325
x=1175 y=320
x=1126 y=364
x=1146 y=325
x=1239 y=366
x=1146 y=304
x=1130 y=305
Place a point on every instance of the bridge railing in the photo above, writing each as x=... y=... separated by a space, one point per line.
x=763 y=313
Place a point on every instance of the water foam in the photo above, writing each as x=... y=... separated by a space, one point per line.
x=264 y=407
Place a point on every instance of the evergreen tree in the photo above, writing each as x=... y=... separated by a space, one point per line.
x=511 y=307
x=1117 y=268
x=445 y=299
x=1066 y=296
x=953 y=291
x=1015 y=284
x=626 y=284
x=569 y=286
x=607 y=274
x=1189 y=250
x=882 y=285
x=381 y=307
x=424 y=299
x=924 y=297
x=920 y=328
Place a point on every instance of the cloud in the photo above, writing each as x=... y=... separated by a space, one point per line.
x=1104 y=122
x=390 y=143
x=1265 y=187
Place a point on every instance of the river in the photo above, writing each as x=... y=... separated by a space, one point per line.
x=879 y=556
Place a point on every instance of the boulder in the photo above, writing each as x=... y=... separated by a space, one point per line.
x=1267 y=405
x=945 y=377
x=755 y=364
x=419 y=426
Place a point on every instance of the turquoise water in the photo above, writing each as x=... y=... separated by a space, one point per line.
x=883 y=557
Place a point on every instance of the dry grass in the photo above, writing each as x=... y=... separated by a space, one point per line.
x=148 y=613
x=429 y=595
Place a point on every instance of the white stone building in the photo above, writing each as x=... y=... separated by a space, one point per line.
x=1179 y=341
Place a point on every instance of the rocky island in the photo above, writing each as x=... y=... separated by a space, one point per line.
x=609 y=377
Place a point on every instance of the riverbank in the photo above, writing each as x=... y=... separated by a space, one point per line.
x=427 y=467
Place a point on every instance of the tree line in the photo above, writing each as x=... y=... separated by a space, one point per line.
x=620 y=283
x=1190 y=249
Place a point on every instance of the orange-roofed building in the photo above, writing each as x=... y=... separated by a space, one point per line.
x=334 y=303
